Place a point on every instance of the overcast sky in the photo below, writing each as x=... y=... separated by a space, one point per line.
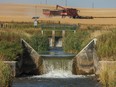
x=74 y=3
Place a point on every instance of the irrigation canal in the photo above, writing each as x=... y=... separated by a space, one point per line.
x=57 y=73
x=41 y=81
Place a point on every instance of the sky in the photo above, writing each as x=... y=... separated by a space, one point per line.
x=73 y=3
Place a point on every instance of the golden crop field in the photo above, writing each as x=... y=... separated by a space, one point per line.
x=25 y=12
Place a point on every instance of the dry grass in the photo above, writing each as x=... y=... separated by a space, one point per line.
x=98 y=12
x=19 y=32
x=108 y=74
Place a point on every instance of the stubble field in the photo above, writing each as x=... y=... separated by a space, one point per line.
x=24 y=13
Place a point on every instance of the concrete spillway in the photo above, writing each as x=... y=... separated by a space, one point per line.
x=55 y=67
x=57 y=71
x=86 y=62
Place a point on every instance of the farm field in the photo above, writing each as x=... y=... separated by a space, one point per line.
x=16 y=24
x=25 y=12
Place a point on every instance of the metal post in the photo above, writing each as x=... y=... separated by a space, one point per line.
x=35 y=10
x=74 y=31
x=46 y=2
x=63 y=33
x=53 y=38
x=93 y=5
x=65 y=2
x=42 y=32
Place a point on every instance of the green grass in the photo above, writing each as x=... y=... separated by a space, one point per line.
x=10 y=50
x=39 y=42
x=10 y=44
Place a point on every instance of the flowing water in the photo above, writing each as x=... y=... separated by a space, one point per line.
x=58 y=73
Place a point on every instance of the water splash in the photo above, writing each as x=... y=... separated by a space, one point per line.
x=55 y=74
x=60 y=65
x=58 y=68
x=61 y=74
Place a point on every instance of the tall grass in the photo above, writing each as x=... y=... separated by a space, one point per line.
x=39 y=42
x=108 y=75
x=73 y=43
x=106 y=46
x=5 y=75
x=10 y=50
x=10 y=45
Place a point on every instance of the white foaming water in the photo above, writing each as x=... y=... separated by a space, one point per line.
x=56 y=74
x=58 y=68
x=59 y=74
x=57 y=65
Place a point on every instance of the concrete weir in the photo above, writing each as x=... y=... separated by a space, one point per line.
x=86 y=61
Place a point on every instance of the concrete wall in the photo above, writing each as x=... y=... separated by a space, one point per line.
x=85 y=62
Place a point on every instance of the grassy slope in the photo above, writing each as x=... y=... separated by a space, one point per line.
x=10 y=46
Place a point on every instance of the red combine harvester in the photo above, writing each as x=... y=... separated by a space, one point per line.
x=50 y=13
x=70 y=12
